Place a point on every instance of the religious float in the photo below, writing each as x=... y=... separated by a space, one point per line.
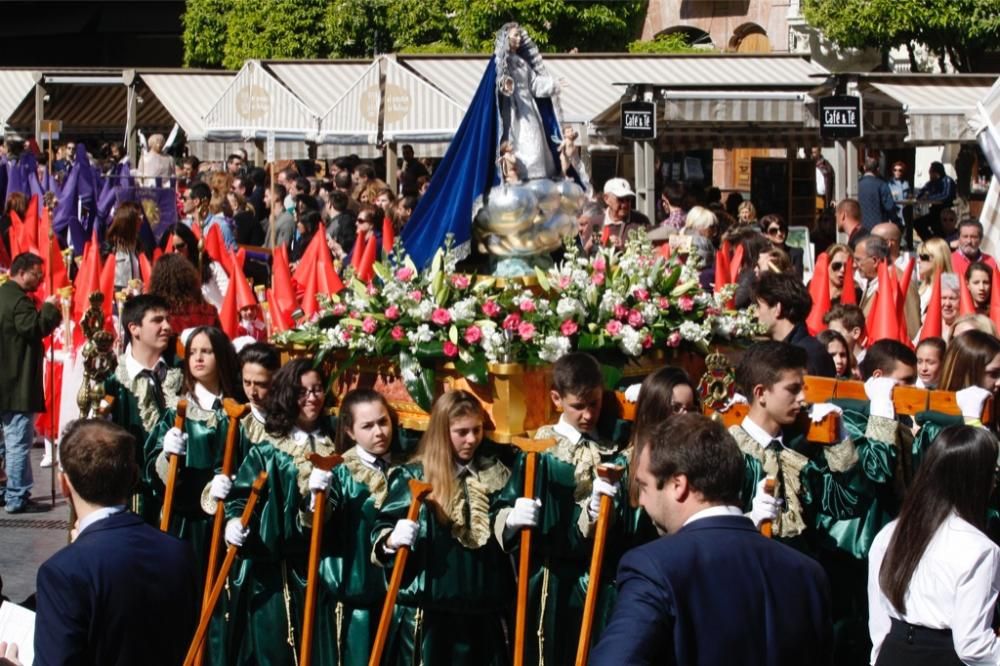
x=508 y=191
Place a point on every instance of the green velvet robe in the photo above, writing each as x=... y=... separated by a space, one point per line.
x=356 y=585
x=269 y=583
x=135 y=409
x=458 y=586
x=562 y=545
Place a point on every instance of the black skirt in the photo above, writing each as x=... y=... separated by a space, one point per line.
x=912 y=645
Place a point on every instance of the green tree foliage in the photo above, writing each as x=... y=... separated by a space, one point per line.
x=204 y=32
x=274 y=29
x=226 y=32
x=959 y=30
x=672 y=43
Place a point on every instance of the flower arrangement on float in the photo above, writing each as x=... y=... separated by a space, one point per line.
x=621 y=303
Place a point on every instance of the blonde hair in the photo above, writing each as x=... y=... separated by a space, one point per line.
x=940 y=255
x=156 y=143
x=700 y=219
x=979 y=322
x=435 y=451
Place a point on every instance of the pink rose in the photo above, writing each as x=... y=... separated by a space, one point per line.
x=634 y=318
x=620 y=311
x=459 y=281
x=473 y=334
x=526 y=330
x=564 y=281
x=647 y=341
x=614 y=327
x=416 y=295
x=641 y=294
x=491 y=309
x=511 y=322
x=355 y=314
x=674 y=340
x=392 y=312
x=597 y=278
x=568 y=327
x=663 y=303
x=397 y=333
x=369 y=325
x=450 y=349
x=526 y=305
x=346 y=334
x=600 y=264
x=339 y=309
x=441 y=317
x=685 y=303
x=404 y=274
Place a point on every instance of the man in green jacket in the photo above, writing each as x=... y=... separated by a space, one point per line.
x=22 y=328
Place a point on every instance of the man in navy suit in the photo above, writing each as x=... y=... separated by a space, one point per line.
x=123 y=593
x=715 y=592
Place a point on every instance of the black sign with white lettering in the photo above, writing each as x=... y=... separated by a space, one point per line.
x=639 y=120
x=840 y=117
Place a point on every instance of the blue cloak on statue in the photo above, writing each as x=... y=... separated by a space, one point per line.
x=467 y=171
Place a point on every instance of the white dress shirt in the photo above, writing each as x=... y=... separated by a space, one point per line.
x=954 y=587
x=368 y=458
x=99 y=514
x=714 y=512
x=570 y=433
x=134 y=367
x=205 y=398
x=760 y=435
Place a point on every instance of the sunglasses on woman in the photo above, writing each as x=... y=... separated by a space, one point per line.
x=924 y=257
x=836 y=265
x=774 y=231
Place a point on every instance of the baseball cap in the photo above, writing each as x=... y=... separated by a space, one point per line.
x=618 y=187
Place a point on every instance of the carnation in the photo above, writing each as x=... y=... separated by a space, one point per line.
x=614 y=327
x=397 y=333
x=526 y=305
x=473 y=334
x=685 y=303
x=526 y=330
x=449 y=348
x=441 y=317
x=568 y=327
x=404 y=274
x=369 y=325
x=674 y=339
x=392 y=312
x=459 y=281
x=491 y=309
x=511 y=321
x=635 y=319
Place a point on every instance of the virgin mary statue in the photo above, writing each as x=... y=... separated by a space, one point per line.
x=512 y=110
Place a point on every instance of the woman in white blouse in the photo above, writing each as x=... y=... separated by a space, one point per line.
x=933 y=575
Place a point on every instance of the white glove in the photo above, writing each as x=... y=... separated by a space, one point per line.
x=971 y=400
x=236 y=534
x=601 y=488
x=221 y=485
x=524 y=514
x=821 y=410
x=879 y=392
x=737 y=399
x=175 y=442
x=764 y=506
x=319 y=482
x=403 y=534
x=632 y=392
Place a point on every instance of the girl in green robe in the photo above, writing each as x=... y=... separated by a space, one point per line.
x=266 y=616
x=365 y=432
x=458 y=586
x=209 y=377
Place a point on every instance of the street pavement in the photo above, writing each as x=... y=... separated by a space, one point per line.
x=28 y=539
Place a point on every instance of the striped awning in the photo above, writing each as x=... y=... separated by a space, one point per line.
x=708 y=106
x=353 y=118
x=15 y=85
x=187 y=97
x=937 y=109
x=92 y=109
x=254 y=104
x=319 y=84
x=416 y=111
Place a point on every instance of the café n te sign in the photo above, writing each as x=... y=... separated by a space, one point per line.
x=638 y=120
x=840 y=117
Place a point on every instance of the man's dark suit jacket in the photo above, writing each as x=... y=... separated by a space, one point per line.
x=122 y=594
x=718 y=593
x=818 y=361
